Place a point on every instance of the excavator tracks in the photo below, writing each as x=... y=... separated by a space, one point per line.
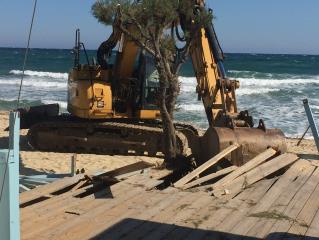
x=104 y=137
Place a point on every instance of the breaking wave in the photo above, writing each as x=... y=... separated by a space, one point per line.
x=192 y=107
x=250 y=86
x=246 y=82
x=41 y=74
x=37 y=83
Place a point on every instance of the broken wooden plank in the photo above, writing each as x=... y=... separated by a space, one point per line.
x=215 y=214
x=300 y=211
x=145 y=229
x=291 y=200
x=206 y=165
x=69 y=181
x=246 y=223
x=261 y=158
x=250 y=197
x=65 y=221
x=313 y=230
x=119 y=231
x=138 y=166
x=49 y=188
x=305 y=217
x=210 y=177
x=94 y=223
x=256 y=174
x=163 y=230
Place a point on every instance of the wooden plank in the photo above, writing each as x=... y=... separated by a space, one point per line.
x=166 y=227
x=300 y=211
x=313 y=230
x=52 y=202
x=283 y=190
x=49 y=188
x=270 y=197
x=49 y=201
x=69 y=181
x=162 y=217
x=101 y=217
x=261 y=158
x=138 y=166
x=144 y=204
x=248 y=202
x=140 y=180
x=57 y=213
x=96 y=223
x=224 y=211
x=286 y=207
x=119 y=231
x=206 y=165
x=78 y=226
x=209 y=177
x=256 y=174
x=305 y=217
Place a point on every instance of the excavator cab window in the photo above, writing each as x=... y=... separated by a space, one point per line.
x=151 y=84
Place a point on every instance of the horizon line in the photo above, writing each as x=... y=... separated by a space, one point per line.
x=252 y=53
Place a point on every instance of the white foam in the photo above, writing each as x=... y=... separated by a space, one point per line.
x=251 y=91
x=314 y=107
x=192 y=107
x=248 y=82
x=236 y=71
x=56 y=75
x=249 y=86
x=187 y=80
x=37 y=83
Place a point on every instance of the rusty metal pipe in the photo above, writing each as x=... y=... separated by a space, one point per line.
x=253 y=141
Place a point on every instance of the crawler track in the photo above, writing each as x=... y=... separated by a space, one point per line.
x=109 y=137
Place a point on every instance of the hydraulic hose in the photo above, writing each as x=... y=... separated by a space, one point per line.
x=217 y=51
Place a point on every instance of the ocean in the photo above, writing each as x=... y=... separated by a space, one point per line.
x=272 y=86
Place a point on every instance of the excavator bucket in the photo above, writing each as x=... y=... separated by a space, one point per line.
x=252 y=141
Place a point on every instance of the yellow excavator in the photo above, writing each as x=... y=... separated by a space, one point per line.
x=113 y=107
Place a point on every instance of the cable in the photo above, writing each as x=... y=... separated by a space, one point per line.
x=19 y=94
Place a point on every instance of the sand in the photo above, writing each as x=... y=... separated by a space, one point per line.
x=35 y=162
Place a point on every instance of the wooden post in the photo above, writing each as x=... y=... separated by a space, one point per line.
x=9 y=178
x=73 y=165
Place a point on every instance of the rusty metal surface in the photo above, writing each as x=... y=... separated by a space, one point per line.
x=252 y=140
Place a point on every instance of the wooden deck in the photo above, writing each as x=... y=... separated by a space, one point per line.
x=280 y=207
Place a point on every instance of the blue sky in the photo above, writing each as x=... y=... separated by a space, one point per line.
x=254 y=26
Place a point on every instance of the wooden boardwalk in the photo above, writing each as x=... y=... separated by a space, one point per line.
x=280 y=207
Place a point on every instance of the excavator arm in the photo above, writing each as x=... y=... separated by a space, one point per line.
x=217 y=92
x=213 y=87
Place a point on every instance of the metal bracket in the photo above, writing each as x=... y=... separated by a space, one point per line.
x=312 y=122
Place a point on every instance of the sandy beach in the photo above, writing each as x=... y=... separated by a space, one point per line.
x=35 y=162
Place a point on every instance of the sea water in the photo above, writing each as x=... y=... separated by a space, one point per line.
x=272 y=86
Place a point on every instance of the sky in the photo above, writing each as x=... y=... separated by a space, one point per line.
x=243 y=26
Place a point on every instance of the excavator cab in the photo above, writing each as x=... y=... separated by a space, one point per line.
x=126 y=88
x=150 y=84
